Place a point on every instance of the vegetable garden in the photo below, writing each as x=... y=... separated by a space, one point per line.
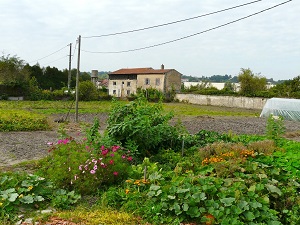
x=149 y=172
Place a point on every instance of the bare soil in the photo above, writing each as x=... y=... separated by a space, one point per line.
x=16 y=147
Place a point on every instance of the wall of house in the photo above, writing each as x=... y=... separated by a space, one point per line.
x=122 y=86
x=173 y=80
x=227 y=101
x=141 y=81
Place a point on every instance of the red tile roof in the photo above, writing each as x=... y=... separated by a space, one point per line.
x=140 y=71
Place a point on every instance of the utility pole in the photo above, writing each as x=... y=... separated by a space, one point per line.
x=69 y=74
x=77 y=80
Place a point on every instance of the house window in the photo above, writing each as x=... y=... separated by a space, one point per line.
x=147 y=81
x=114 y=83
x=128 y=92
x=128 y=84
x=157 y=81
x=114 y=92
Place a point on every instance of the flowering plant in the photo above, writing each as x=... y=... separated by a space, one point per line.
x=105 y=166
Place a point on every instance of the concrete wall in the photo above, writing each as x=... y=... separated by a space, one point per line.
x=152 y=81
x=173 y=80
x=227 y=101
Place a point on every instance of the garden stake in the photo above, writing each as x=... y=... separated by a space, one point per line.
x=145 y=173
x=182 y=148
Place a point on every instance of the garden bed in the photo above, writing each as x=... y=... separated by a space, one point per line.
x=16 y=147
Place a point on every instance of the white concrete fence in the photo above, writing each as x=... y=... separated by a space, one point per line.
x=227 y=101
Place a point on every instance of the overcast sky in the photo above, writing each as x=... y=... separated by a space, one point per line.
x=267 y=43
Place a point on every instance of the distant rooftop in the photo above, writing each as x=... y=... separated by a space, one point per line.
x=148 y=70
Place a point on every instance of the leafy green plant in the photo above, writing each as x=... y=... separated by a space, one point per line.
x=63 y=200
x=275 y=128
x=143 y=124
x=20 y=190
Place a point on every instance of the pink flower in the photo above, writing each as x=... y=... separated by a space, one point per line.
x=115 y=173
x=115 y=148
x=92 y=171
x=80 y=167
x=95 y=167
x=102 y=147
x=129 y=158
x=65 y=141
x=50 y=143
x=111 y=161
x=112 y=155
x=123 y=156
x=104 y=152
x=103 y=165
x=75 y=177
x=87 y=147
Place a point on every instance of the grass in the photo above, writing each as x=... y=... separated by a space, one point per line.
x=179 y=109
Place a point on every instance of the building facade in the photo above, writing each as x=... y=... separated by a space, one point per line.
x=124 y=82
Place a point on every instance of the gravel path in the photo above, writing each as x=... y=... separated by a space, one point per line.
x=16 y=147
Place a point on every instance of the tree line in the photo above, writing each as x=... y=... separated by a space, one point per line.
x=18 y=78
x=250 y=85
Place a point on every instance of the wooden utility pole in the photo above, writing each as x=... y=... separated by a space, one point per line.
x=69 y=75
x=77 y=80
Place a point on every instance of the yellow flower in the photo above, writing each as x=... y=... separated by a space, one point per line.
x=1 y=204
x=21 y=196
x=128 y=181
x=127 y=191
x=30 y=187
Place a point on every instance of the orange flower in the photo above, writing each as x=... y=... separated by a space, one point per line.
x=210 y=219
x=127 y=191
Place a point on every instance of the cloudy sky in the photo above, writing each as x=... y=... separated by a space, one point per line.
x=268 y=43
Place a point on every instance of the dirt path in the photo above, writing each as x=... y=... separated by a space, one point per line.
x=16 y=147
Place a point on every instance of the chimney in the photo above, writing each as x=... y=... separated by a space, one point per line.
x=162 y=66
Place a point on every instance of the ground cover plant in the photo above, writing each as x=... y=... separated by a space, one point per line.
x=213 y=179
x=22 y=120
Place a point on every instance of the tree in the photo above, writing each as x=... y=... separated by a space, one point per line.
x=251 y=84
x=87 y=91
x=13 y=74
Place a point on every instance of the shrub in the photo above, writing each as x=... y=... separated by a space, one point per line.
x=144 y=124
x=78 y=166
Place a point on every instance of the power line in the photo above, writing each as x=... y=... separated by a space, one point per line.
x=185 y=37
x=56 y=59
x=49 y=54
x=174 y=22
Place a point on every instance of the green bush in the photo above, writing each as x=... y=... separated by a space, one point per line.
x=144 y=124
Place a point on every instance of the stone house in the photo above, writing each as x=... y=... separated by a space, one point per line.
x=125 y=82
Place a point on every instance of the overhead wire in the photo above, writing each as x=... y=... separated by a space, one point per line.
x=174 y=22
x=56 y=59
x=188 y=36
x=49 y=54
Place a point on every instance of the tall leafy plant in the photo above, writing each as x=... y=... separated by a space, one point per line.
x=144 y=124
